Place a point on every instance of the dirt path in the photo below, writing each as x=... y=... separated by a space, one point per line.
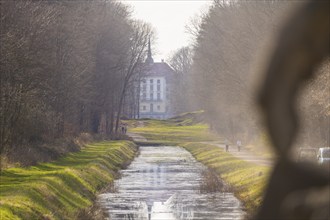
x=136 y=137
x=243 y=154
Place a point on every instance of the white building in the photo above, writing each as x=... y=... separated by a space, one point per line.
x=155 y=87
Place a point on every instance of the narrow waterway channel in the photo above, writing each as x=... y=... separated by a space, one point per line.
x=163 y=183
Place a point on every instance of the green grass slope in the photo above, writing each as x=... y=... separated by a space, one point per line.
x=246 y=179
x=60 y=190
x=170 y=132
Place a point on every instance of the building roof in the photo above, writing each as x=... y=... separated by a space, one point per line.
x=152 y=68
x=159 y=69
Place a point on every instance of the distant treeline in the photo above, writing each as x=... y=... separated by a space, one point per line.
x=221 y=71
x=67 y=67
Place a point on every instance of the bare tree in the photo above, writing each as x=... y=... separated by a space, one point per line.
x=138 y=41
x=65 y=68
x=181 y=61
x=229 y=38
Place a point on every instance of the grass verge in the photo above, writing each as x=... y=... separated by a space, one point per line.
x=168 y=132
x=60 y=190
x=246 y=179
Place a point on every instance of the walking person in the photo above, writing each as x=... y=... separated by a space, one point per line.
x=239 y=144
x=125 y=128
x=227 y=145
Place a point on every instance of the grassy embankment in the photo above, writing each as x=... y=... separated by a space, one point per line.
x=62 y=189
x=247 y=179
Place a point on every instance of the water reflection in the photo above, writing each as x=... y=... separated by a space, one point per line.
x=163 y=183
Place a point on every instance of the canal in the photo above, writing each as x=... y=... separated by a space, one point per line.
x=163 y=183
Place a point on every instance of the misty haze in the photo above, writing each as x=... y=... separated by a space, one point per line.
x=164 y=110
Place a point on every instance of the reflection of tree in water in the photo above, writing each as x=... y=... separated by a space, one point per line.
x=182 y=210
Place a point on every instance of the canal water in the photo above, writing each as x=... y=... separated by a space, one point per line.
x=163 y=183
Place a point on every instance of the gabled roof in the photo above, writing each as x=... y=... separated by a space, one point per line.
x=151 y=68
x=159 y=69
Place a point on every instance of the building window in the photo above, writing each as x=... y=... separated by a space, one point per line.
x=158 y=87
x=144 y=96
x=151 y=96
x=144 y=87
x=151 y=87
x=151 y=81
x=151 y=107
x=158 y=96
x=158 y=81
x=158 y=107
x=144 y=107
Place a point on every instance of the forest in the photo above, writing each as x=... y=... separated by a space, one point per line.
x=67 y=68
x=223 y=68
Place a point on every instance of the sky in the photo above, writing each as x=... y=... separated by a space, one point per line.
x=169 y=18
